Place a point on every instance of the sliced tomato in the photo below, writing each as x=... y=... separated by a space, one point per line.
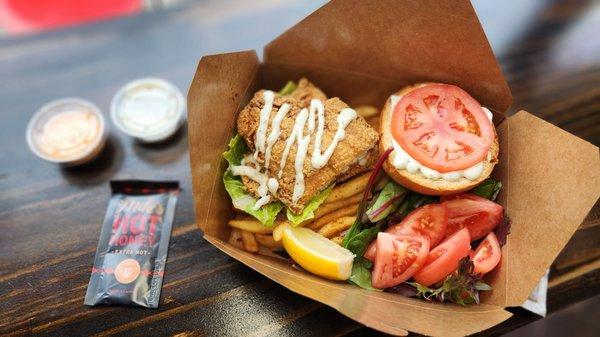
x=487 y=255
x=442 y=127
x=429 y=221
x=479 y=215
x=398 y=258
x=443 y=259
x=371 y=251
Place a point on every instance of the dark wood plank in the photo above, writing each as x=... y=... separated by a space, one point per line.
x=50 y=216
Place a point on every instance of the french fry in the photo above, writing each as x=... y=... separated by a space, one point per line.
x=249 y=242
x=278 y=230
x=332 y=206
x=334 y=227
x=344 y=211
x=235 y=238
x=349 y=188
x=338 y=239
x=268 y=241
x=367 y=111
x=252 y=226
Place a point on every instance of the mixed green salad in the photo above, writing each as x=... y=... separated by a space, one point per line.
x=385 y=204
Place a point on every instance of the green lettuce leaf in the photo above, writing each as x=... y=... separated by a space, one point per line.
x=488 y=189
x=360 y=242
x=236 y=151
x=309 y=210
x=244 y=201
x=233 y=184
x=387 y=201
x=361 y=267
x=361 y=273
x=413 y=201
x=289 y=88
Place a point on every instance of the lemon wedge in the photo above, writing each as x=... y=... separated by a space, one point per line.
x=316 y=254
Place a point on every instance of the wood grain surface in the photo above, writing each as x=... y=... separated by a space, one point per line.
x=50 y=216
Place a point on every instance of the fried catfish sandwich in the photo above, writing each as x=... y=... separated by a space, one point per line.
x=291 y=148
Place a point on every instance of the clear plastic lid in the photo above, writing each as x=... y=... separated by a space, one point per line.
x=67 y=131
x=149 y=109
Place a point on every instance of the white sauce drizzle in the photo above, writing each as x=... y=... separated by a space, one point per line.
x=275 y=131
x=268 y=184
x=346 y=116
x=249 y=159
x=302 y=142
x=315 y=106
x=299 y=166
x=297 y=133
x=363 y=160
x=257 y=176
x=273 y=185
x=402 y=160
x=261 y=202
x=261 y=132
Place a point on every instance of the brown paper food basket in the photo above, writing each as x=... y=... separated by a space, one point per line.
x=363 y=51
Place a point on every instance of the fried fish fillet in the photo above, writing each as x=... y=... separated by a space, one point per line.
x=306 y=91
x=359 y=139
x=364 y=164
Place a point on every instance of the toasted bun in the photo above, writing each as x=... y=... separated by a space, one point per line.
x=416 y=181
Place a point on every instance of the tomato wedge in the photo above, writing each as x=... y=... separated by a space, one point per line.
x=487 y=255
x=443 y=259
x=398 y=259
x=479 y=215
x=442 y=127
x=371 y=251
x=429 y=221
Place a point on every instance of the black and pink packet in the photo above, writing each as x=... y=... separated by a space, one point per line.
x=132 y=250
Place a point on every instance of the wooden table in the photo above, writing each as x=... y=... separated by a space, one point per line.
x=50 y=216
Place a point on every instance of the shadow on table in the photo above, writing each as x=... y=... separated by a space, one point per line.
x=101 y=169
x=166 y=151
x=577 y=320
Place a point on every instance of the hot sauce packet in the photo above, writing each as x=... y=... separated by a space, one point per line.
x=132 y=250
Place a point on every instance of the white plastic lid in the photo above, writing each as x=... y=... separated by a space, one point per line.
x=148 y=109
x=67 y=131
